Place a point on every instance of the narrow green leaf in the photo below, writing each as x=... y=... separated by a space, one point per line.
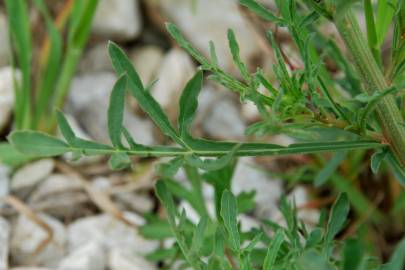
x=178 y=37
x=20 y=37
x=329 y=168
x=116 y=111
x=272 y=251
x=397 y=260
x=212 y=164
x=213 y=54
x=198 y=236
x=167 y=201
x=353 y=253
x=337 y=218
x=229 y=212
x=235 y=51
x=65 y=128
x=119 y=161
x=189 y=103
x=376 y=160
x=51 y=66
x=122 y=65
x=37 y=144
x=262 y=12
x=385 y=13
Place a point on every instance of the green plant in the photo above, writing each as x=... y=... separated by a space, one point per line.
x=43 y=84
x=38 y=93
x=308 y=104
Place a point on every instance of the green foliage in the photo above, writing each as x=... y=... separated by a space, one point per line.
x=40 y=92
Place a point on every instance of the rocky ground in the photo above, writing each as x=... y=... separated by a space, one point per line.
x=58 y=214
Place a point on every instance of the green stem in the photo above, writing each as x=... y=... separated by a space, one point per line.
x=371 y=30
x=389 y=115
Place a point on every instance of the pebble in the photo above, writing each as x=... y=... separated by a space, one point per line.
x=147 y=60
x=90 y=256
x=4 y=240
x=95 y=59
x=224 y=121
x=27 y=236
x=6 y=93
x=247 y=177
x=210 y=20
x=88 y=103
x=27 y=177
x=120 y=259
x=110 y=233
x=117 y=19
x=175 y=71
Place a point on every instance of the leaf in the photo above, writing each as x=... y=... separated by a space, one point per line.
x=337 y=218
x=178 y=37
x=329 y=168
x=272 y=251
x=312 y=259
x=116 y=111
x=353 y=253
x=213 y=54
x=229 y=212
x=65 y=128
x=198 y=236
x=189 y=103
x=397 y=260
x=397 y=169
x=37 y=144
x=50 y=67
x=262 y=12
x=10 y=156
x=20 y=38
x=210 y=164
x=376 y=160
x=167 y=201
x=119 y=161
x=385 y=14
x=233 y=45
x=81 y=29
x=122 y=65
x=169 y=169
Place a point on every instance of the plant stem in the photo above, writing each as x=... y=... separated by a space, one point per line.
x=389 y=115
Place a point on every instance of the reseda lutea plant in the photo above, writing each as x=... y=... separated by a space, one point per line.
x=308 y=103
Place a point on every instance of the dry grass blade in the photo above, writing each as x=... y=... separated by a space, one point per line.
x=100 y=198
x=23 y=209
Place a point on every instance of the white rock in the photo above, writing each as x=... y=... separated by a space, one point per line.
x=31 y=174
x=27 y=236
x=147 y=60
x=224 y=121
x=6 y=93
x=247 y=177
x=4 y=240
x=96 y=59
x=135 y=201
x=175 y=71
x=109 y=232
x=248 y=223
x=88 y=103
x=120 y=259
x=210 y=21
x=4 y=41
x=299 y=196
x=90 y=256
x=4 y=182
x=30 y=268
x=117 y=19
